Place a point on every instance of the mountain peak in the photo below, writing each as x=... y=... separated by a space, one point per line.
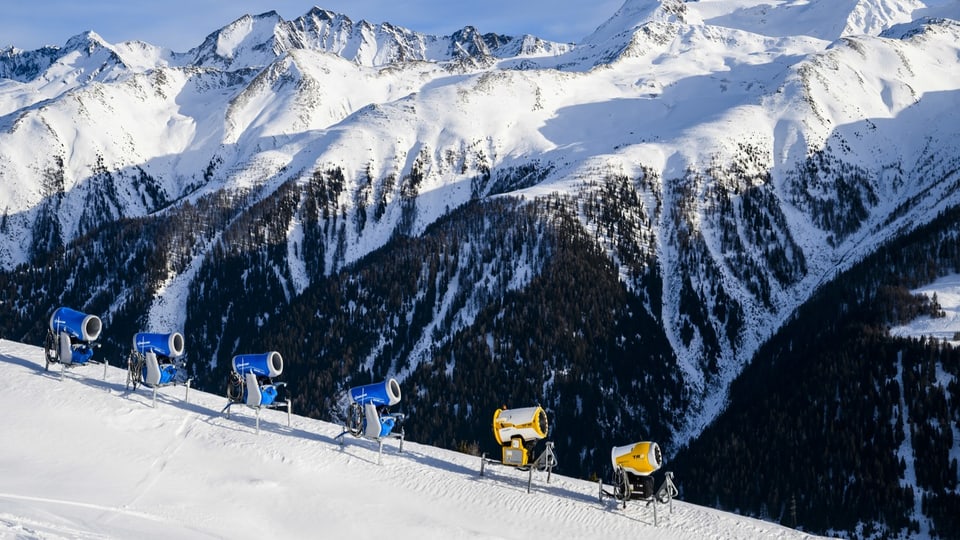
x=88 y=40
x=323 y=14
x=635 y=13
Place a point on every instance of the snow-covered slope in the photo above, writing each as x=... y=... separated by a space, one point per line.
x=946 y=293
x=761 y=146
x=84 y=458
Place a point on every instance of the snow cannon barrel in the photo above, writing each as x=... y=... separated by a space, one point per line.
x=642 y=458
x=164 y=344
x=529 y=423
x=263 y=365
x=76 y=324
x=382 y=393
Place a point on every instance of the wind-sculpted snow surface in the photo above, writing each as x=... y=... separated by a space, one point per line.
x=83 y=458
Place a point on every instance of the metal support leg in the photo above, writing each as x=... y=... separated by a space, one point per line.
x=379 y=451
x=154 y=397
x=289 y=412
x=667 y=490
x=529 y=479
x=483 y=462
x=186 y=397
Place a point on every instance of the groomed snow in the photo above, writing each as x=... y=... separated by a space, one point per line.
x=944 y=328
x=83 y=458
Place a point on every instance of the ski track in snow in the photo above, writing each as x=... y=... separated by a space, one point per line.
x=84 y=458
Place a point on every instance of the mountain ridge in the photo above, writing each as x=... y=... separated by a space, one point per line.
x=726 y=161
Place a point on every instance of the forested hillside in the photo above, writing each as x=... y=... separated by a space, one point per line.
x=838 y=427
x=512 y=302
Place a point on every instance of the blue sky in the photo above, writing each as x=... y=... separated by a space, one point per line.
x=182 y=24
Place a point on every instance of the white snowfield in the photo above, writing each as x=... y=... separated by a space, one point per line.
x=946 y=328
x=84 y=458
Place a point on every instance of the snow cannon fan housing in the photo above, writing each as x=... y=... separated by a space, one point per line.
x=517 y=430
x=262 y=365
x=251 y=368
x=386 y=393
x=642 y=458
x=75 y=324
x=170 y=345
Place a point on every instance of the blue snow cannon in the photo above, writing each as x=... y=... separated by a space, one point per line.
x=368 y=413
x=70 y=337
x=156 y=360
x=251 y=383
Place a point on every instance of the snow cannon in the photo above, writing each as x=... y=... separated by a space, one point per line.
x=70 y=338
x=169 y=345
x=261 y=365
x=382 y=394
x=633 y=468
x=641 y=459
x=256 y=371
x=251 y=383
x=75 y=324
x=517 y=432
x=155 y=360
x=368 y=414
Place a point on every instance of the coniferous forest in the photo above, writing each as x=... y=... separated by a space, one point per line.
x=834 y=426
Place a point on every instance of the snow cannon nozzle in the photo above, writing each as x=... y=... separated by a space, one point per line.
x=265 y=364
x=75 y=324
x=379 y=394
x=170 y=345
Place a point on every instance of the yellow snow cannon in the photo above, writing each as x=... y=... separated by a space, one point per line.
x=642 y=458
x=633 y=468
x=517 y=431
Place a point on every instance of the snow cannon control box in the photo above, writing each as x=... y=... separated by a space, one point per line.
x=517 y=431
x=169 y=345
x=75 y=324
x=641 y=459
x=262 y=365
x=381 y=394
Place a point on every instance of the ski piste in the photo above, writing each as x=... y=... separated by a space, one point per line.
x=182 y=470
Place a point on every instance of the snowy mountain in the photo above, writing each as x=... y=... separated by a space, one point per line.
x=613 y=229
x=115 y=467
